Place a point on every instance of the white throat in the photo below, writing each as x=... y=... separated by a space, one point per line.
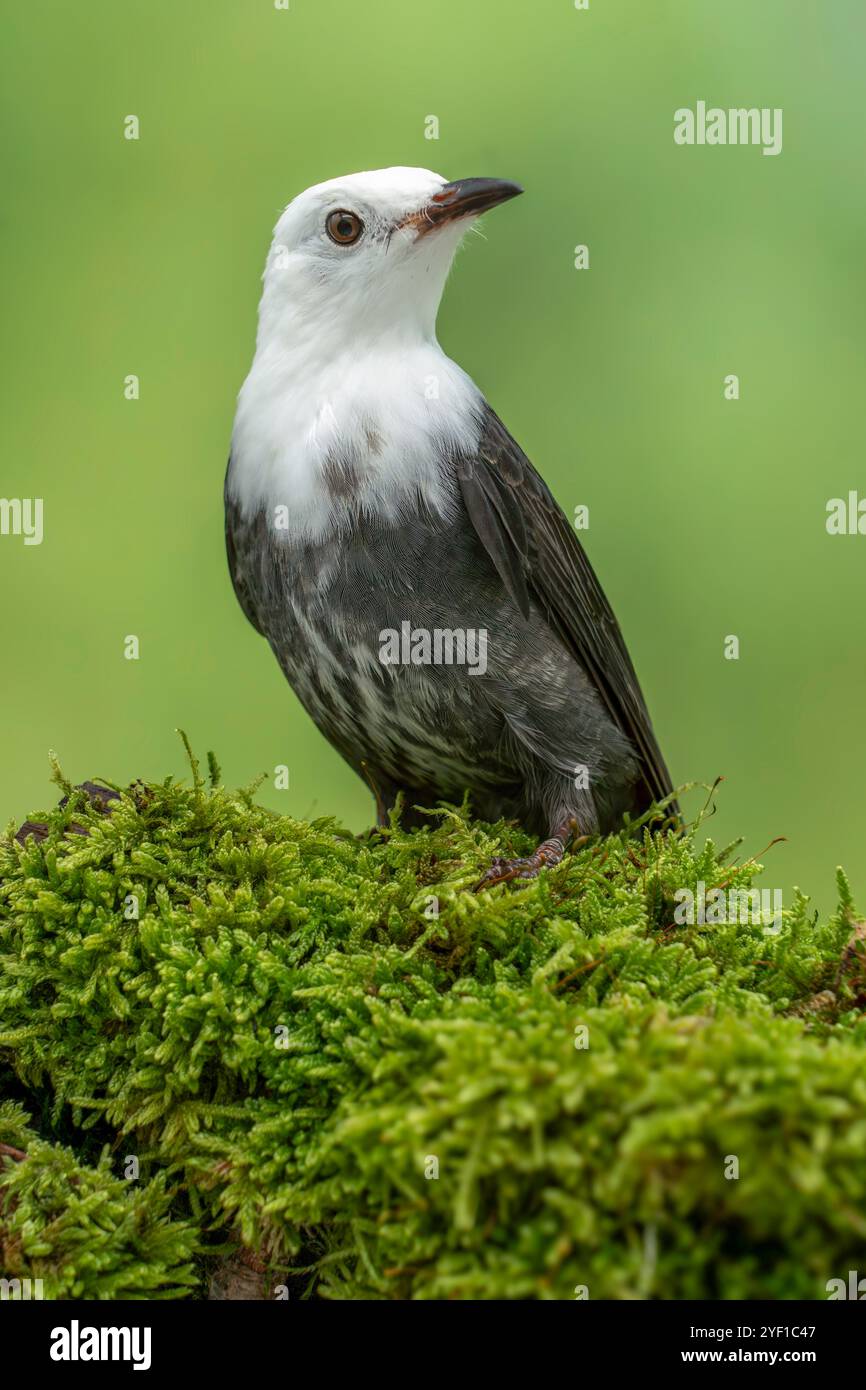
x=362 y=432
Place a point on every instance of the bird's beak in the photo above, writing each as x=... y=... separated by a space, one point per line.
x=462 y=198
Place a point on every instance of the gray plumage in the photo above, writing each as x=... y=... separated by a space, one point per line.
x=559 y=692
x=370 y=486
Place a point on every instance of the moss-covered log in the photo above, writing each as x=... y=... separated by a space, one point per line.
x=381 y=1084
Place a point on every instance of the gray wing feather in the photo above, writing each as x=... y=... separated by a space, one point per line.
x=240 y=542
x=536 y=552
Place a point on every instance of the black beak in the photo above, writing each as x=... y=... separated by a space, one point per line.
x=465 y=198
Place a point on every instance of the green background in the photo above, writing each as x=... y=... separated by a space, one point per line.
x=707 y=517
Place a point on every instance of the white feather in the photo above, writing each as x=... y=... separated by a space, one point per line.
x=347 y=364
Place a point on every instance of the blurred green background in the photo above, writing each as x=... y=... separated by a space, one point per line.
x=707 y=517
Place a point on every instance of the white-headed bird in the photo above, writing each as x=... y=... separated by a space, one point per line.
x=383 y=528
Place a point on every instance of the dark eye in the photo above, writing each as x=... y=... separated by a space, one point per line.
x=344 y=227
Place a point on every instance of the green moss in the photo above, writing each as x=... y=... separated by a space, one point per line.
x=300 y=1026
x=80 y=1231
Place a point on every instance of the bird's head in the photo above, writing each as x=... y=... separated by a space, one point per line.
x=367 y=255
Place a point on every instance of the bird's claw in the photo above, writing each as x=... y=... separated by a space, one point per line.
x=503 y=870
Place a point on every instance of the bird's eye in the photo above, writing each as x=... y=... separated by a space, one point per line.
x=344 y=227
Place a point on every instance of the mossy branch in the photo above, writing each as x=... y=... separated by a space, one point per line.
x=332 y=1051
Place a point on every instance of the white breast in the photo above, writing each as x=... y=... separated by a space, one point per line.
x=388 y=418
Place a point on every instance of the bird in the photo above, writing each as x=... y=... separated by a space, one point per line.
x=372 y=491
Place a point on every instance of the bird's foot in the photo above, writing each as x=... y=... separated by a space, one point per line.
x=548 y=854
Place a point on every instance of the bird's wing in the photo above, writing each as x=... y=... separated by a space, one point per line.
x=537 y=554
x=240 y=541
